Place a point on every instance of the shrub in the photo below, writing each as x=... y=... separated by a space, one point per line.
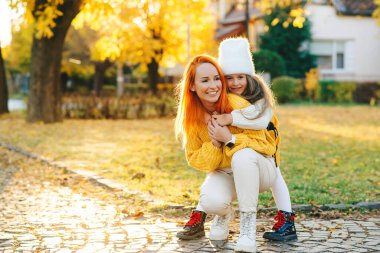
x=343 y=91
x=333 y=91
x=132 y=106
x=269 y=62
x=284 y=88
x=324 y=91
x=299 y=89
x=365 y=91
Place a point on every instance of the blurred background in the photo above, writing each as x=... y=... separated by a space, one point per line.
x=311 y=51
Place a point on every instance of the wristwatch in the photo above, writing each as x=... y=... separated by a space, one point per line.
x=231 y=142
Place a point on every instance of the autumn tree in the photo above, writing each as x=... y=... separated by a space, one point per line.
x=3 y=86
x=80 y=56
x=18 y=52
x=156 y=33
x=53 y=19
x=149 y=33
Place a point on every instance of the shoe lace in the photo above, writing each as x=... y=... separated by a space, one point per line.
x=280 y=218
x=195 y=218
x=220 y=221
x=246 y=228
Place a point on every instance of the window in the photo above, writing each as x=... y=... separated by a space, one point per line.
x=324 y=61
x=319 y=1
x=330 y=54
x=340 y=61
x=339 y=55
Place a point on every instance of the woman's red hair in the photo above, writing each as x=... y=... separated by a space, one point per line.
x=190 y=110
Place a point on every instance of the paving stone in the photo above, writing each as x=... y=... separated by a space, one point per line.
x=319 y=249
x=30 y=220
x=6 y=244
x=358 y=249
x=372 y=242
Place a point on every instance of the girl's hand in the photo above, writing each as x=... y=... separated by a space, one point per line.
x=223 y=119
x=207 y=117
x=219 y=133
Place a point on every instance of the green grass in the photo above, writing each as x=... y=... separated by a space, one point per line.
x=18 y=96
x=329 y=154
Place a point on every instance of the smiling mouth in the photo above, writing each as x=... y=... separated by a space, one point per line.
x=234 y=90
x=212 y=92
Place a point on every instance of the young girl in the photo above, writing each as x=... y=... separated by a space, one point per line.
x=236 y=63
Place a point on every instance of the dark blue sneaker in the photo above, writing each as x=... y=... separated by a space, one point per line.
x=284 y=229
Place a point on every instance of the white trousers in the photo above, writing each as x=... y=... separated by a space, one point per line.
x=280 y=193
x=251 y=173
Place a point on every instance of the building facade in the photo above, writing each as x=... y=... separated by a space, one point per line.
x=345 y=38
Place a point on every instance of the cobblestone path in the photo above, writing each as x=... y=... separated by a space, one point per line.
x=38 y=215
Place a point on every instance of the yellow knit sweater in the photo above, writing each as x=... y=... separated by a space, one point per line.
x=203 y=155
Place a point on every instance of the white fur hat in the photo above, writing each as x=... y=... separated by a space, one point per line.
x=235 y=57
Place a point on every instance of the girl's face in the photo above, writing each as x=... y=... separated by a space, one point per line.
x=237 y=83
x=207 y=85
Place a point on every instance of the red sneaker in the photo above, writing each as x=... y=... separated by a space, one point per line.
x=194 y=228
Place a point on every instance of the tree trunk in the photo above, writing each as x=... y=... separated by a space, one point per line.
x=120 y=80
x=153 y=75
x=3 y=87
x=45 y=99
x=100 y=71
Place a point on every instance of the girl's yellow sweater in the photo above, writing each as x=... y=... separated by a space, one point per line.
x=203 y=155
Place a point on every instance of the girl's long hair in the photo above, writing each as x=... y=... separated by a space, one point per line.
x=190 y=111
x=257 y=89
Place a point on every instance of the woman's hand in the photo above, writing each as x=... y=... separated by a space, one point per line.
x=216 y=143
x=223 y=119
x=217 y=132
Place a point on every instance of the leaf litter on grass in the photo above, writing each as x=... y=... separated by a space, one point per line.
x=328 y=153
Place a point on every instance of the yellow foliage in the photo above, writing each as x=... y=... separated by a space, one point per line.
x=45 y=18
x=376 y=13
x=285 y=24
x=297 y=14
x=18 y=52
x=312 y=79
x=298 y=22
x=141 y=31
x=311 y=82
x=275 y=21
x=372 y=101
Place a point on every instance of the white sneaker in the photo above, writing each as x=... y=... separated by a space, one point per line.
x=247 y=238
x=219 y=227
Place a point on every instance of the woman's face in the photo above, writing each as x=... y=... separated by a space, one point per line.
x=237 y=83
x=207 y=85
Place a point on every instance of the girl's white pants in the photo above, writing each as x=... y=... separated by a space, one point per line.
x=251 y=173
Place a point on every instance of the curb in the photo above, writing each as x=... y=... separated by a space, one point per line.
x=329 y=207
x=111 y=185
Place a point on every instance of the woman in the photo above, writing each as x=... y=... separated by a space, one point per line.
x=239 y=170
